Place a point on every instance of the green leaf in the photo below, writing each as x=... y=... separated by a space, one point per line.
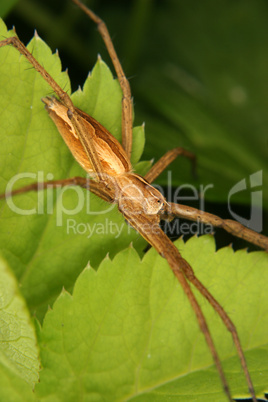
x=129 y=333
x=19 y=354
x=48 y=249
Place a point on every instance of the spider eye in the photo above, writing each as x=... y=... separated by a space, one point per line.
x=160 y=204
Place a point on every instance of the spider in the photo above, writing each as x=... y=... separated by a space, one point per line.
x=113 y=180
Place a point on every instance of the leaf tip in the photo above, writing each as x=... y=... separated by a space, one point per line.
x=230 y=246
x=87 y=267
x=36 y=35
x=107 y=257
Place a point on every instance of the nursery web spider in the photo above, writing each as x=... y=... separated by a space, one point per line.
x=113 y=180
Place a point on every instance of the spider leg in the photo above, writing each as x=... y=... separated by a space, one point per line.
x=166 y=159
x=96 y=188
x=235 y=228
x=124 y=84
x=189 y=273
x=76 y=120
x=147 y=225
